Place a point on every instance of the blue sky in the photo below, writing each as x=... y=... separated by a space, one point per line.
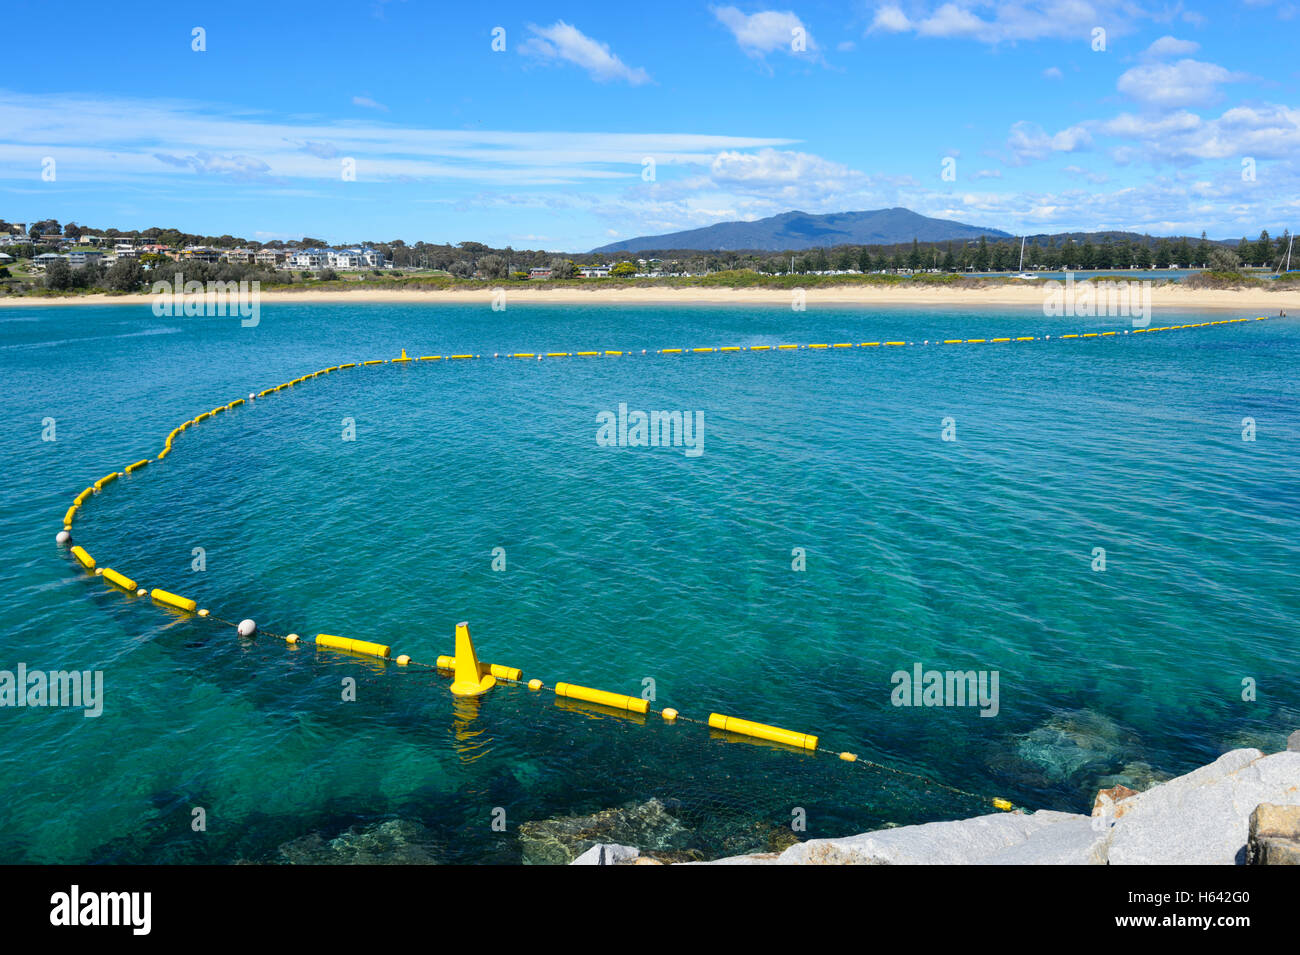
x=544 y=144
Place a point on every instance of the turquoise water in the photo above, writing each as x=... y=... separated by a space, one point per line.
x=630 y=563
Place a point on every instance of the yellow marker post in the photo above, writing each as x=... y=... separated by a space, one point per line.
x=472 y=678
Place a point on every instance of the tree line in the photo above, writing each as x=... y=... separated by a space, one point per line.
x=1074 y=251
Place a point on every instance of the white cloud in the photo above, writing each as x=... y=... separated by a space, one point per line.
x=563 y=42
x=1053 y=73
x=1012 y=22
x=950 y=20
x=1184 y=83
x=891 y=19
x=1030 y=141
x=767 y=31
x=368 y=103
x=1171 y=46
x=1264 y=132
x=769 y=169
x=242 y=168
x=1088 y=174
x=109 y=140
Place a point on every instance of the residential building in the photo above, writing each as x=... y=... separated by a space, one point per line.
x=200 y=253
x=79 y=257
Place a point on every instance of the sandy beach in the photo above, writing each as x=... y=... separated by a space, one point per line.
x=1262 y=301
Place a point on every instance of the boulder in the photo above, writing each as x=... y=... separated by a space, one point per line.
x=608 y=853
x=1077 y=840
x=1203 y=818
x=961 y=842
x=1274 y=835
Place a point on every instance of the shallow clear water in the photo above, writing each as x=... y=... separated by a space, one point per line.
x=627 y=564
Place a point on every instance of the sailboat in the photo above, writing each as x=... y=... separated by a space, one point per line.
x=1287 y=269
x=1026 y=276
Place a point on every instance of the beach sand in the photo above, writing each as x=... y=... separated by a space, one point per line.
x=1255 y=301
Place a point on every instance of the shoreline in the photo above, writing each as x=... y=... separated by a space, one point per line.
x=1162 y=297
x=1241 y=809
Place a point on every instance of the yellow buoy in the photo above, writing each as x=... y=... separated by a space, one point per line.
x=172 y=600
x=354 y=646
x=472 y=677
x=762 y=731
x=618 y=701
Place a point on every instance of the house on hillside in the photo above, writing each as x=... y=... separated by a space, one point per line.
x=81 y=257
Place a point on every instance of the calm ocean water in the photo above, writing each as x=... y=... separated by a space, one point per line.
x=628 y=564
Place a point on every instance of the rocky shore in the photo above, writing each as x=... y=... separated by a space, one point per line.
x=1244 y=808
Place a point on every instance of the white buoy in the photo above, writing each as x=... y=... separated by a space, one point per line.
x=251 y=396
x=247 y=628
x=62 y=537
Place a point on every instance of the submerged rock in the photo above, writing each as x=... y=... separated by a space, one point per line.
x=649 y=826
x=1077 y=742
x=393 y=842
x=1137 y=776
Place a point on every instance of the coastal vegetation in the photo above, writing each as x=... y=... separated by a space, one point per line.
x=468 y=265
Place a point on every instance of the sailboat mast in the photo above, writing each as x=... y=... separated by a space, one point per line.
x=1022 y=254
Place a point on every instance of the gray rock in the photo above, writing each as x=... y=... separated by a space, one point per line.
x=652 y=826
x=962 y=842
x=757 y=858
x=1203 y=818
x=392 y=842
x=1293 y=742
x=1078 y=840
x=607 y=853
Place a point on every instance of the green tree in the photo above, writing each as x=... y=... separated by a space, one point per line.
x=1224 y=260
x=623 y=270
x=1203 y=250
x=58 y=276
x=125 y=275
x=493 y=266
x=1264 y=250
x=914 y=259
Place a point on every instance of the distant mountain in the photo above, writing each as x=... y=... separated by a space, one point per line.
x=802 y=230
